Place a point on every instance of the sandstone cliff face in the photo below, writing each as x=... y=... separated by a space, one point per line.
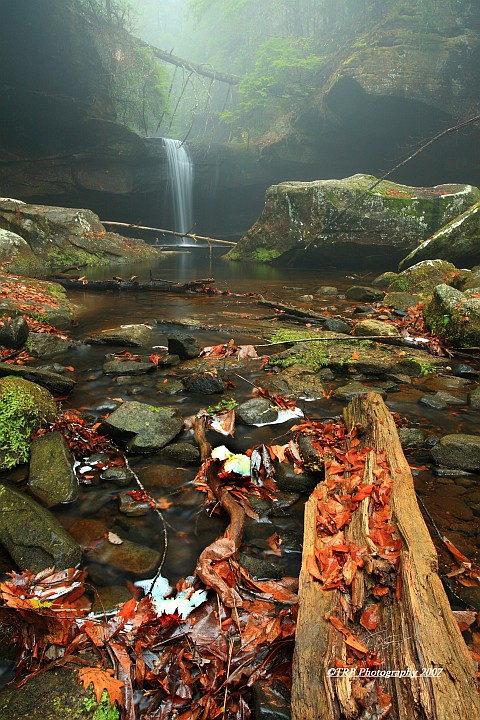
x=344 y=223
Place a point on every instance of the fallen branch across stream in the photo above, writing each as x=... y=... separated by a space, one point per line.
x=203 y=285
x=192 y=236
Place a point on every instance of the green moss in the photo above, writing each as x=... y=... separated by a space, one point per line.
x=23 y=408
x=311 y=354
x=103 y=709
x=224 y=405
x=426 y=368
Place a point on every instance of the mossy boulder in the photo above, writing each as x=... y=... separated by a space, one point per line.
x=24 y=406
x=59 y=237
x=424 y=276
x=348 y=222
x=454 y=315
x=38 y=299
x=55 y=695
x=458 y=242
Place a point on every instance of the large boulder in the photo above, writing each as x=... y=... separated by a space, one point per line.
x=33 y=537
x=424 y=276
x=454 y=315
x=349 y=222
x=52 y=478
x=24 y=406
x=143 y=428
x=58 y=237
x=458 y=451
x=458 y=242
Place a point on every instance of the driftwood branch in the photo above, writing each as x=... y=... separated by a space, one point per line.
x=193 y=236
x=417 y=628
x=291 y=310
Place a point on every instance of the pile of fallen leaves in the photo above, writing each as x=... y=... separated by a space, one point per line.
x=412 y=326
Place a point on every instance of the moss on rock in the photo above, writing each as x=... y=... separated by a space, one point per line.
x=454 y=316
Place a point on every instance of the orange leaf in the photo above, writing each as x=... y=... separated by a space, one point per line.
x=312 y=567
x=371 y=617
x=352 y=641
x=102 y=680
x=355 y=356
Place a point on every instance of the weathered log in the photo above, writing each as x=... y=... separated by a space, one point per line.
x=132 y=285
x=417 y=629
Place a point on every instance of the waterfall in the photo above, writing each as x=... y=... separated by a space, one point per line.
x=180 y=181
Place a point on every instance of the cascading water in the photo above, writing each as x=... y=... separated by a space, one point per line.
x=180 y=180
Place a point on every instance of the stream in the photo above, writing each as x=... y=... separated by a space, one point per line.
x=454 y=503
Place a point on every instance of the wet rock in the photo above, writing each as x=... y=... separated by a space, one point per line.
x=384 y=280
x=127 y=367
x=271 y=700
x=24 y=407
x=461 y=370
x=281 y=502
x=401 y=300
x=168 y=360
x=87 y=530
x=35 y=298
x=185 y=346
x=450 y=473
x=326 y=290
x=143 y=428
x=170 y=386
x=297 y=381
x=182 y=452
x=376 y=327
x=261 y=569
x=204 y=383
x=11 y=245
x=52 y=478
x=474 y=399
x=411 y=437
x=457 y=241
x=54 y=695
x=364 y=294
x=45 y=345
x=164 y=477
x=32 y=536
x=454 y=315
x=288 y=481
x=256 y=411
x=110 y=598
x=424 y=276
x=128 y=557
x=306 y=298
x=131 y=507
x=57 y=384
x=433 y=401
x=125 y=336
x=453 y=400
x=118 y=475
x=338 y=327
x=326 y=374
x=14 y=333
x=458 y=451
x=352 y=389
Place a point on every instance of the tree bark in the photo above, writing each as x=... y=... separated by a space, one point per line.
x=417 y=630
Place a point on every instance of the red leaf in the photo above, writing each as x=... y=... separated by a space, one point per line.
x=371 y=617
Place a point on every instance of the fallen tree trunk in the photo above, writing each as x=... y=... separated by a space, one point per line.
x=416 y=634
x=133 y=285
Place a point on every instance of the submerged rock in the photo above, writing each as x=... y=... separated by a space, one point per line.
x=125 y=336
x=32 y=536
x=204 y=383
x=346 y=222
x=52 y=478
x=458 y=451
x=128 y=557
x=454 y=315
x=143 y=428
x=363 y=293
x=24 y=406
x=256 y=411
x=457 y=241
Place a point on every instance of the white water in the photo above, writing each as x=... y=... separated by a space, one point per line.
x=180 y=181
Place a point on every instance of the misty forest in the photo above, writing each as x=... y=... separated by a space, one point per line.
x=239 y=360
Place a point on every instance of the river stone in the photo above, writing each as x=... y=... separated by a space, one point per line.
x=182 y=452
x=457 y=241
x=433 y=401
x=376 y=327
x=185 y=346
x=289 y=482
x=412 y=437
x=130 y=506
x=339 y=327
x=364 y=294
x=424 y=276
x=454 y=315
x=326 y=290
x=375 y=222
x=14 y=333
x=261 y=569
x=144 y=428
x=354 y=388
x=125 y=336
x=474 y=399
x=52 y=478
x=256 y=411
x=57 y=384
x=401 y=300
x=129 y=557
x=32 y=536
x=127 y=367
x=384 y=280
x=203 y=383
x=118 y=475
x=298 y=381
x=24 y=407
x=87 y=531
x=164 y=476
x=45 y=344
x=458 y=451
x=54 y=695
